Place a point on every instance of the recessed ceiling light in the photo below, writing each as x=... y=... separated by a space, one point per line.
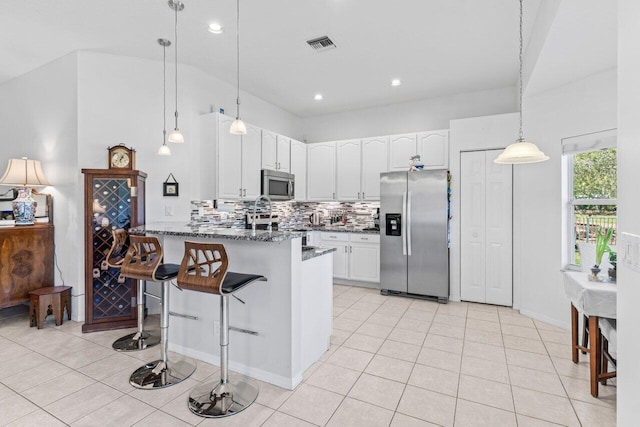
x=215 y=28
x=318 y=97
x=396 y=82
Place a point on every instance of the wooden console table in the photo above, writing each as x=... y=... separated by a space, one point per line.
x=26 y=261
x=595 y=300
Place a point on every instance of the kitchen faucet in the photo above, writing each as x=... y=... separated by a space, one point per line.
x=255 y=208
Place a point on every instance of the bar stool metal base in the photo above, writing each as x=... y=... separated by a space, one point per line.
x=217 y=399
x=154 y=375
x=136 y=341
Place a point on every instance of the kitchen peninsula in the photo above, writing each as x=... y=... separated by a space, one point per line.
x=280 y=328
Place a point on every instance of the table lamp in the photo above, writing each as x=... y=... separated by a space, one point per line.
x=24 y=174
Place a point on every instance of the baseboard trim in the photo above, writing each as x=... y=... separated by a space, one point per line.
x=546 y=319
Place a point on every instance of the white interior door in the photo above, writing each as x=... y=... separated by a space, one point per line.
x=485 y=231
x=498 y=220
x=472 y=230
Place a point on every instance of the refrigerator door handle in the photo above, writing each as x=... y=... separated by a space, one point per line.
x=408 y=223
x=403 y=226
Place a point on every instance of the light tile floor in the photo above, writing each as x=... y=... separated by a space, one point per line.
x=393 y=362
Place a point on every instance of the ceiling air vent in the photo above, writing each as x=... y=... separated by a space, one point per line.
x=321 y=43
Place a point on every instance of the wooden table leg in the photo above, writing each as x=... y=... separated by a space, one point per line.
x=594 y=354
x=574 y=334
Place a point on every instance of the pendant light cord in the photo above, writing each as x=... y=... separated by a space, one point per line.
x=520 y=134
x=238 y=59
x=177 y=6
x=164 y=94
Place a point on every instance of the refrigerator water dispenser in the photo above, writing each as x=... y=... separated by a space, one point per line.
x=393 y=224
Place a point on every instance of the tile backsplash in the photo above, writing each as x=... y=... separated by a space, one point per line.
x=292 y=215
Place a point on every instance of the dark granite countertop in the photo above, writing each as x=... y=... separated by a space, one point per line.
x=208 y=230
x=341 y=229
x=315 y=252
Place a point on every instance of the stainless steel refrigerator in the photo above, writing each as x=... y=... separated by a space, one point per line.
x=414 y=254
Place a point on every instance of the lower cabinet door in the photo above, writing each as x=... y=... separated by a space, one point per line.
x=340 y=258
x=364 y=262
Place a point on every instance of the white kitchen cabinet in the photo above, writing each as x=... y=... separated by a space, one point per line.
x=299 y=168
x=433 y=148
x=401 y=149
x=357 y=255
x=485 y=229
x=374 y=162
x=283 y=153
x=235 y=173
x=275 y=151
x=339 y=241
x=251 y=162
x=348 y=170
x=321 y=172
x=269 y=150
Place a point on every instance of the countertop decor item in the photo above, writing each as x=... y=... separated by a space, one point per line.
x=164 y=149
x=175 y=135
x=122 y=157
x=238 y=127
x=521 y=151
x=25 y=174
x=170 y=186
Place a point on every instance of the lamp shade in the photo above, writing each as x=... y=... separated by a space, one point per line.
x=238 y=127
x=521 y=152
x=176 y=137
x=164 y=150
x=24 y=173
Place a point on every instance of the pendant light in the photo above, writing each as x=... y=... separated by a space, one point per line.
x=238 y=127
x=175 y=135
x=521 y=151
x=164 y=148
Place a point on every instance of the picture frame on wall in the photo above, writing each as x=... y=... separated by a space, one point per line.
x=170 y=187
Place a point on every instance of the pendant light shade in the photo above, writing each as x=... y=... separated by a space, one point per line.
x=521 y=151
x=238 y=127
x=175 y=135
x=164 y=148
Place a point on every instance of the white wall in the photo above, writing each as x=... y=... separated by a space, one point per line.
x=628 y=208
x=478 y=133
x=584 y=106
x=414 y=116
x=38 y=111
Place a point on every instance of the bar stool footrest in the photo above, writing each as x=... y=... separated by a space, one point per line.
x=217 y=399
x=175 y=372
x=133 y=343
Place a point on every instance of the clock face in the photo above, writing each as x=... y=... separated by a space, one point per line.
x=120 y=158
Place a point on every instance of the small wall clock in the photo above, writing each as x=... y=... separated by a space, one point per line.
x=121 y=157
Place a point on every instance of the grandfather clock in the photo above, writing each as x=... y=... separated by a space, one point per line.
x=113 y=198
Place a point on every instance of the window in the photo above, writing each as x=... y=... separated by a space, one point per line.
x=592 y=189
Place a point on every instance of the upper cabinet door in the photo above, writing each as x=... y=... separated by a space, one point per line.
x=229 y=160
x=348 y=168
x=283 y=157
x=374 y=162
x=299 y=168
x=251 y=162
x=401 y=149
x=433 y=148
x=269 y=150
x=321 y=172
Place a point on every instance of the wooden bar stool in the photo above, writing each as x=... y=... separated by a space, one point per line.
x=54 y=299
x=144 y=262
x=204 y=269
x=140 y=339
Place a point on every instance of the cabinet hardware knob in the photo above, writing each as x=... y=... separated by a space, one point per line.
x=244 y=192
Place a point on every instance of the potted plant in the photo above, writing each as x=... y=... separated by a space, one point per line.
x=602 y=246
x=613 y=260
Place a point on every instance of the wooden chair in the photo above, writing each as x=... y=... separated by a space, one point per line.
x=140 y=339
x=204 y=269
x=143 y=261
x=608 y=356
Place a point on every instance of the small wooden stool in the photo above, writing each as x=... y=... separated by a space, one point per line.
x=56 y=297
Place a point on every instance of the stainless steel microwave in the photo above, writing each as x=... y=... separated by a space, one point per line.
x=278 y=185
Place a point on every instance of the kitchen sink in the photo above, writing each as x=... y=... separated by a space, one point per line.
x=308 y=248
